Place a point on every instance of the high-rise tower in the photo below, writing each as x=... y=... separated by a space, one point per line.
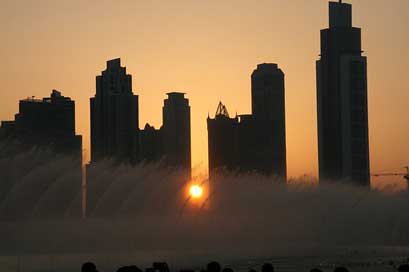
x=176 y=131
x=268 y=109
x=222 y=142
x=342 y=100
x=114 y=115
x=47 y=122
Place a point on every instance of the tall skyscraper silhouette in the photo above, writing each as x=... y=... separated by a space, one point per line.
x=268 y=108
x=114 y=115
x=176 y=131
x=342 y=100
x=252 y=142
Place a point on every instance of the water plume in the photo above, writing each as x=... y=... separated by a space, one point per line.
x=147 y=208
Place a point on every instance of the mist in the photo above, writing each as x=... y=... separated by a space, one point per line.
x=146 y=210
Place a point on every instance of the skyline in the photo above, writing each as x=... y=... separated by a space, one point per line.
x=151 y=83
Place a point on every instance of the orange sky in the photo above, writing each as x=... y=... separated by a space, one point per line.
x=207 y=49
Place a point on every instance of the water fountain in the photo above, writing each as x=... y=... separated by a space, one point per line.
x=140 y=213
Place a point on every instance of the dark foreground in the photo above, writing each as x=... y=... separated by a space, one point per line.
x=216 y=267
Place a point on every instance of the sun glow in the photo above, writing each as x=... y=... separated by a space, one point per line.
x=196 y=191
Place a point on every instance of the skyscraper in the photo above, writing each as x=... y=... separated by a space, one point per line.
x=114 y=115
x=176 y=131
x=47 y=122
x=268 y=108
x=222 y=142
x=342 y=100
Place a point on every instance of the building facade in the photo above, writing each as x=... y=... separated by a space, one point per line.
x=114 y=116
x=175 y=131
x=47 y=122
x=222 y=142
x=342 y=106
x=268 y=109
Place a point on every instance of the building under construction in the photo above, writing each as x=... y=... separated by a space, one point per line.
x=253 y=142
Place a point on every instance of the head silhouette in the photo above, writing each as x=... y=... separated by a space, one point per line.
x=267 y=267
x=213 y=267
x=89 y=267
x=341 y=269
x=403 y=268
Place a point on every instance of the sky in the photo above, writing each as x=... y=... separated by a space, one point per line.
x=207 y=49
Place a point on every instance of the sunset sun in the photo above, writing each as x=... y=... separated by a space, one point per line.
x=196 y=191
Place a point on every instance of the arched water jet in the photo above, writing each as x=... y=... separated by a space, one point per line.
x=55 y=201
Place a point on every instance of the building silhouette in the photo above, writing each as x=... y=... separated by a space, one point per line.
x=222 y=141
x=115 y=132
x=114 y=116
x=252 y=142
x=268 y=108
x=150 y=142
x=342 y=100
x=47 y=122
x=175 y=131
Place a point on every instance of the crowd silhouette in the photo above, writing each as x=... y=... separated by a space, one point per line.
x=211 y=267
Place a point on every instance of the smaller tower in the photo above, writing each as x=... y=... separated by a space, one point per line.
x=176 y=131
x=222 y=142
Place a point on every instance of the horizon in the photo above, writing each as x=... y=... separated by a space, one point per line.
x=231 y=83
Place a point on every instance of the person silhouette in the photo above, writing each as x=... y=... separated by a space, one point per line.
x=267 y=267
x=213 y=267
x=403 y=268
x=341 y=269
x=89 y=267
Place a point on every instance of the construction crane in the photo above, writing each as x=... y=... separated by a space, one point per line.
x=404 y=175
